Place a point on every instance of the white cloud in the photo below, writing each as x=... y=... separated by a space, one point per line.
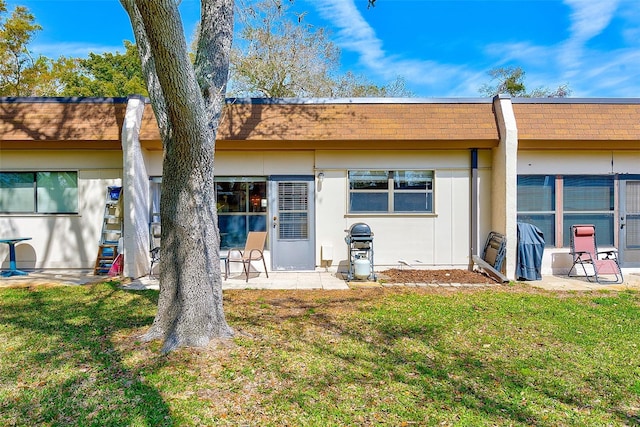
x=356 y=35
x=611 y=73
x=590 y=17
x=614 y=72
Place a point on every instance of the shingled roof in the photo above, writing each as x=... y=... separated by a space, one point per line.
x=349 y=124
x=585 y=123
x=334 y=124
x=61 y=123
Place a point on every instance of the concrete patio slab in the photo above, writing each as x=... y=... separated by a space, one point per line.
x=303 y=280
x=565 y=283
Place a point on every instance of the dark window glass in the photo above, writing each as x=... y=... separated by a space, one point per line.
x=403 y=191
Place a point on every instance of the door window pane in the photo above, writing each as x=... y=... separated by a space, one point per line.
x=293 y=206
x=632 y=217
x=293 y=226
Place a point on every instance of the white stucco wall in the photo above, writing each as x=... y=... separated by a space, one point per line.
x=240 y=163
x=439 y=240
x=61 y=241
x=436 y=240
x=577 y=162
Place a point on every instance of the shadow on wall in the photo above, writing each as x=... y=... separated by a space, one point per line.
x=25 y=256
x=561 y=263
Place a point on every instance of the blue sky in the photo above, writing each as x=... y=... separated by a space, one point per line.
x=442 y=48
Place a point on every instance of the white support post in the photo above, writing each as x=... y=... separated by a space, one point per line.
x=135 y=183
x=504 y=180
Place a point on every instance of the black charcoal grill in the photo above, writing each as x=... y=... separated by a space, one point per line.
x=360 y=243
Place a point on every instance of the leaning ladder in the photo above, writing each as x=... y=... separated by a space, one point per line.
x=111 y=231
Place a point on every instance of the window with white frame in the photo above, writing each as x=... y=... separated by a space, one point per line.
x=397 y=191
x=39 y=192
x=550 y=201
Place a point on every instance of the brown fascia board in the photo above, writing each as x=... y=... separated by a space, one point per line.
x=378 y=145
x=579 y=145
x=102 y=145
x=270 y=145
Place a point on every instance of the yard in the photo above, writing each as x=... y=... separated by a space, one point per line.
x=507 y=355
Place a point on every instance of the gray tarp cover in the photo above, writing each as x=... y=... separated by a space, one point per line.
x=530 y=250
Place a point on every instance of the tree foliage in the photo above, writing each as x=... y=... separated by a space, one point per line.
x=275 y=57
x=350 y=85
x=277 y=54
x=107 y=74
x=20 y=71
x=510 y=80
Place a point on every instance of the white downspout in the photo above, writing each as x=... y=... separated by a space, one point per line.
x=504 y=180
x=135 y=183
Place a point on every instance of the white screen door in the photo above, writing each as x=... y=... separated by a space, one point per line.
x=629 y=249
x=292 y=223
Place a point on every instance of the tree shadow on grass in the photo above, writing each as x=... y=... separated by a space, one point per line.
x=418 y=369
x=61 y=365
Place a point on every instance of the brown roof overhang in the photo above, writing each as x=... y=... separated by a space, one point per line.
x=578 y=124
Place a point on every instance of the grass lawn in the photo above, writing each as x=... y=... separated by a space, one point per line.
x=508 y=356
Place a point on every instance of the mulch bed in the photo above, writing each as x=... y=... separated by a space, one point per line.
x=434 y=276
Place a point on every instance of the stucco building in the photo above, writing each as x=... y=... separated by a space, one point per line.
x=431 y=177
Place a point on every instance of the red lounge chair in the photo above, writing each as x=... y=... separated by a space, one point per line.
x=585 y=252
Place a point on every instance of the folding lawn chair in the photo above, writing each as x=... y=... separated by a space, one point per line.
x=154 y=254
x=585 y=252
x=493 y=255
x=253 y=251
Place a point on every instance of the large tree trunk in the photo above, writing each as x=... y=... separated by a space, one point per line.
x=190 y=311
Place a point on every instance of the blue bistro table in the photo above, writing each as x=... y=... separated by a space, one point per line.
x=13 y=271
